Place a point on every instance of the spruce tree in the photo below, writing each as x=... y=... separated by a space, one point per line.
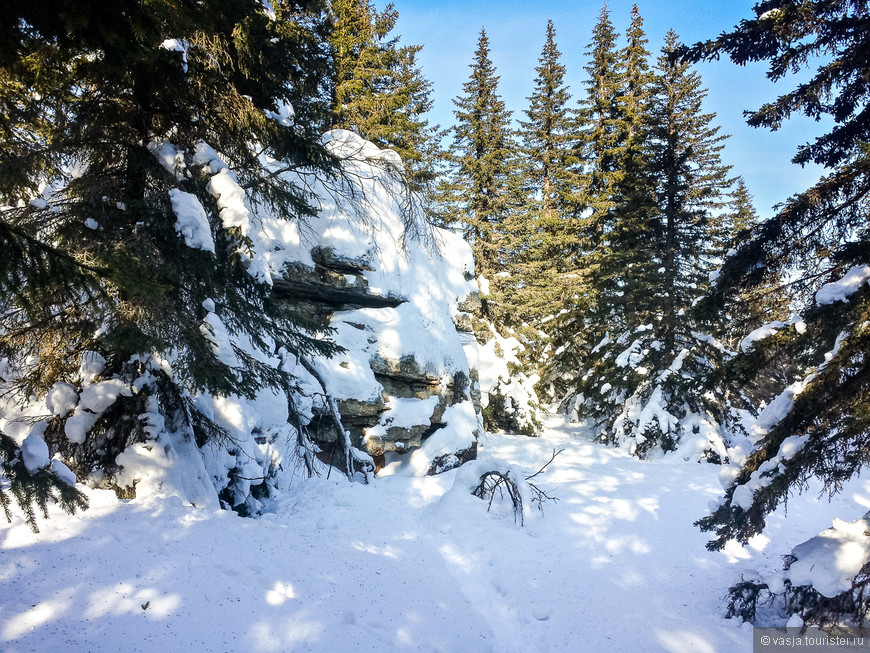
x=481 y=190
x=547 y=137
x=599 y=120
x=377 y=87
x=756 y=305
x=626 y=268
x=622 y=286
x=743 y=216
x=617 y=229
x=107 y=126
x=635 y=97
x=358 y=60
x=819 y=236
x=692 y=184
x=691 y=192
x=645 y=378
x=542 y=228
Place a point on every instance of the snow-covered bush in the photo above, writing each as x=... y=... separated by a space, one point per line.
x=636 y=396
x=825 y=581
x=508 y=399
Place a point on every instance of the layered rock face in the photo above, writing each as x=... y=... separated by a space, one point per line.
x=400 y=400
x=400 y=306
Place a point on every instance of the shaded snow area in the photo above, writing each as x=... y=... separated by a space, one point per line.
x=405 y=564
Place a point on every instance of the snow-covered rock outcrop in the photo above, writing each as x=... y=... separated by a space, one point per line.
x=389 y=290
x=383 y=285
x=394 y=302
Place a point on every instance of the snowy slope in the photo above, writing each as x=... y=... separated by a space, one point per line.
x=402 y=564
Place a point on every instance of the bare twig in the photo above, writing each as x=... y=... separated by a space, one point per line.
x=547 y=464
x=493 y=482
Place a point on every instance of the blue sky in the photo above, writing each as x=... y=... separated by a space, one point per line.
x=449 y=29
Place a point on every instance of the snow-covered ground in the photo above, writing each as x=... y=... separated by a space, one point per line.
x=403 y=564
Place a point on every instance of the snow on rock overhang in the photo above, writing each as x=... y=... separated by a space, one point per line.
x=392 y=287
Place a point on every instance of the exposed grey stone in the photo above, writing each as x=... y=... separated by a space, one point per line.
x=353 y=408
x=402 y=387
x=329 y=289
x=463 y=323
x=406 y=368
x=471 y=304
x=452 y=460
x=337 y=283
x=328 y=258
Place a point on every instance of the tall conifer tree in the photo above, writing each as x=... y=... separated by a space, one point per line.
x=378 y=89
x=542 y=230
x=107 y=125
x=743 y=216
x=818 y=236
x=692 y=186
x=643 y=375
x=547 y=136
x=482 y=190
x=692 y=191
x=616 y=215
x=600 y=123
x=757 y=304
x=601 y=120
x=621 y=265
x=626 y=266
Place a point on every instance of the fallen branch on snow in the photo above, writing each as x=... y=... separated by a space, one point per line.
x=519 y=490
